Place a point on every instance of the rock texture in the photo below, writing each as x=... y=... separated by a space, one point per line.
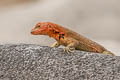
x=34 y=62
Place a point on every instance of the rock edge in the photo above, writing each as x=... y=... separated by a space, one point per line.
x=35 y=62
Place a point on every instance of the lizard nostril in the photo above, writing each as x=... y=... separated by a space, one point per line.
x=31 y=32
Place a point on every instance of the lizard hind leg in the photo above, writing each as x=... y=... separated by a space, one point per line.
x=71 y=46
x=108 y=53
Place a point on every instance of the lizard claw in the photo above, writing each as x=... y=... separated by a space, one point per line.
x=69 y=50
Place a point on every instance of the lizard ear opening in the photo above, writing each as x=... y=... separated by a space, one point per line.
x=61 y=36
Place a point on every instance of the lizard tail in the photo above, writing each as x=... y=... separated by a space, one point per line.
x=108 y=53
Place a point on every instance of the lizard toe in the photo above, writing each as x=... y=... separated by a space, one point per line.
x=69 y=50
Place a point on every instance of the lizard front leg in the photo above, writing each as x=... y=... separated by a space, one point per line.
x=56 y=44
x=71 y=46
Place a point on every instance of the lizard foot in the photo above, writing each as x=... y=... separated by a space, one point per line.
x=56 y=44
x=108 y=53
x=69 y=50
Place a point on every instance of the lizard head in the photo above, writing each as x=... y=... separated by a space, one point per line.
x=40 y=28
x=48 y=28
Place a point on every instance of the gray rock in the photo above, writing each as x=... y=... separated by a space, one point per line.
x=34 y=62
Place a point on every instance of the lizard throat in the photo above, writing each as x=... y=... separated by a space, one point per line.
x=55 y=36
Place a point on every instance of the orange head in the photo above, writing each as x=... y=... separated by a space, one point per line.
x=48 y=28
x=40 y=29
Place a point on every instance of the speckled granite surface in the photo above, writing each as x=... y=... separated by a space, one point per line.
x=34 y=62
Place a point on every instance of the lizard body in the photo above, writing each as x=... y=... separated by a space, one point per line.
x=68 y=38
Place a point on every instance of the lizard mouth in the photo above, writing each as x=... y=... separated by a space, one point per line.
x=38 y=32
x=33 y=33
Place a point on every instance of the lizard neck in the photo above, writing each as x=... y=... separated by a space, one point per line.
x=53 y=35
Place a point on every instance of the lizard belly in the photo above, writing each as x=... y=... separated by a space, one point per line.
x=64 y=42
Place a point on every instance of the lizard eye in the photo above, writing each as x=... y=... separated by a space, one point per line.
x=39 y=26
